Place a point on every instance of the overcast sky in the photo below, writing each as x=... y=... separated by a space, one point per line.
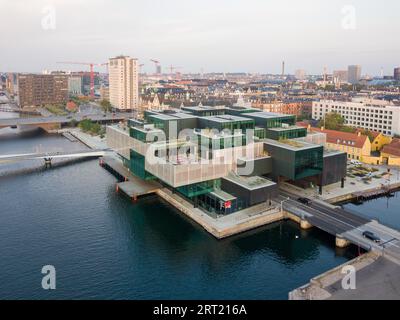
x=213 y=35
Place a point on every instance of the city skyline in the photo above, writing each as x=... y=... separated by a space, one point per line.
x=234 y=36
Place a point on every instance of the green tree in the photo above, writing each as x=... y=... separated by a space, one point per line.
x=106 y=105
x=332 y=121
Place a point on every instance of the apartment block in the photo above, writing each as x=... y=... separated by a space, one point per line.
x=354 y=74
x=124 y=82
x=396 y=74
x=374 y=115
x=42 y=89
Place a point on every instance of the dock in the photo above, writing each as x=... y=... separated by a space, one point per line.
x=131 y=186
x=371 y=269
x=372 y=194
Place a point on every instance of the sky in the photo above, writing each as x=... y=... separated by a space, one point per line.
x=210 y=35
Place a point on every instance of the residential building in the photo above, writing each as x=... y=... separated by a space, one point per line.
x=340 y=75
x=391 y=153
x=12 y=83
x=75 y=86
x=300 y=74
x=40 y=89
x=379 y=141
x=85 y=80
x=104 y=93
x=397 y=74
x=354 y=74
x=356 y=145
x=374 y=115
x=124 y=82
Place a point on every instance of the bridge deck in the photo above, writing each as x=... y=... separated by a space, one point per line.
x=345 y=224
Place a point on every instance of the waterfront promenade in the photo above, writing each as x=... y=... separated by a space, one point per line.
x=353 y=186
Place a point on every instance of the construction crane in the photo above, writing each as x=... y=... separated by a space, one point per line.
x=91 y=65
x=172 y=69
x=157 y=65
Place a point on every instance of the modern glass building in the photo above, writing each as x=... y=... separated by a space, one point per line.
x=217 y=187
x=294 y=160
x=272 y=120
x=285 y=133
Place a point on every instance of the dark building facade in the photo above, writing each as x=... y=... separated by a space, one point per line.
x=40 y=89
x=295 y=160
x=397 y=74
x=251 y=191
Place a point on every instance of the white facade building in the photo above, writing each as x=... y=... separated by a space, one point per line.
x=124 y=82
x=376 y=115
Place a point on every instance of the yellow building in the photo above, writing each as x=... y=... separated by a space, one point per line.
x=391 y=153
x=380 y=140
x=357 y=146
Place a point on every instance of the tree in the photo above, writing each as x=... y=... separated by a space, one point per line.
x=106 y=105
x=332 y=121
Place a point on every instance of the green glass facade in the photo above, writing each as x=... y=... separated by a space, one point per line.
x=197 y=189
x=137 y=134
x=279 y=121
x=308 y=163
x=137 y=166
x=260 y=133
x=268 y=120
x=293 y=163
x=285 y=134
x=222 y=143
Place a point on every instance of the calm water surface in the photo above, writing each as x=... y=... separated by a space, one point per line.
x=105 y=247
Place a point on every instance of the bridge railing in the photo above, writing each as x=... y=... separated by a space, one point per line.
x=361 y=215
x=295 y=210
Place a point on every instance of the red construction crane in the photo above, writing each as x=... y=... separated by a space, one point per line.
x=172 y=68
x=91 y=65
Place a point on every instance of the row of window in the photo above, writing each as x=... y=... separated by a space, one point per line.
x=357 y=109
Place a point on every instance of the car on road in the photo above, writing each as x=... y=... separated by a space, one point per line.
x=371 y=236
x=305 y=201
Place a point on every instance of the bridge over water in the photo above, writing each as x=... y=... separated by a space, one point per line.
x=49 y=156
x=346 y=226
x=54 y=122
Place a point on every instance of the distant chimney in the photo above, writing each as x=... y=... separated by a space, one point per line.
x=322 y=128
x=309 y=128
x=359 y=133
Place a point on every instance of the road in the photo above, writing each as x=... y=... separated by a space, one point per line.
x=63 y=119
x=332 y=220
x=345 y=224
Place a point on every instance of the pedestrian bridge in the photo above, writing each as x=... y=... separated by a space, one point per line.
x=49 y=156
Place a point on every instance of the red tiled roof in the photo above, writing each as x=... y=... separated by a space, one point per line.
x=302 y=124
x=374 y=134
x=393 y=148
x=343 y=138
